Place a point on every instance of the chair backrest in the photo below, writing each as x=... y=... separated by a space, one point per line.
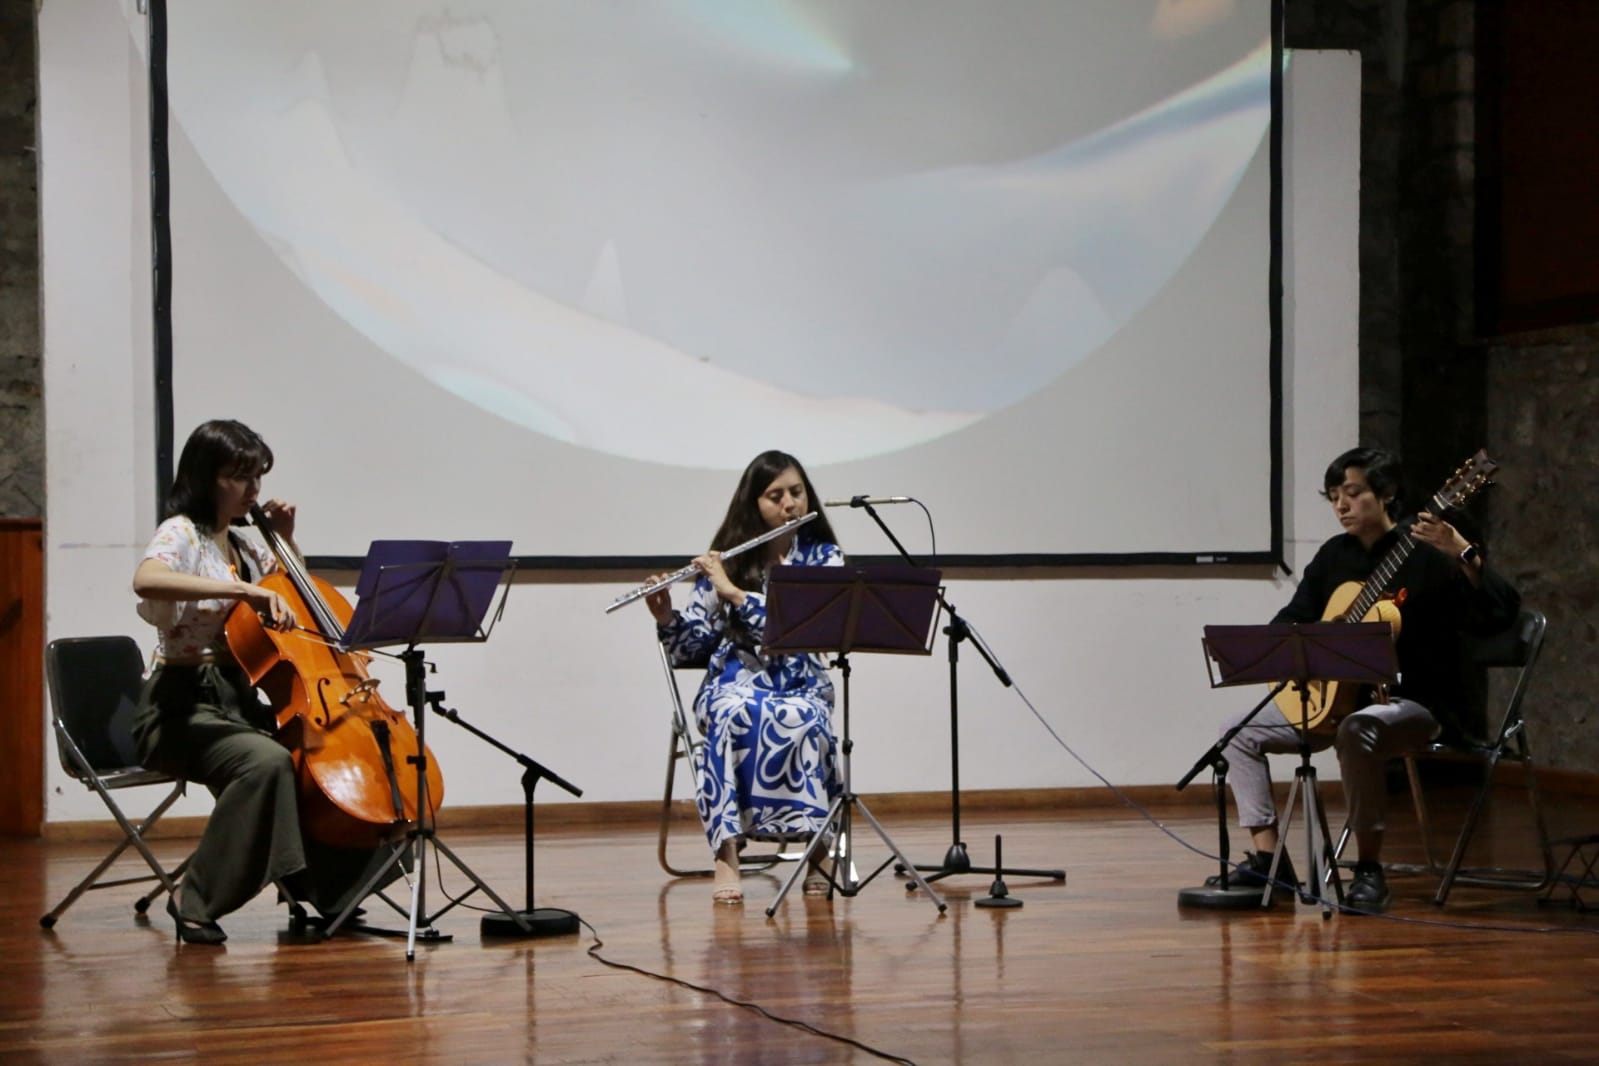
x=94 y=691
x=1516 y=648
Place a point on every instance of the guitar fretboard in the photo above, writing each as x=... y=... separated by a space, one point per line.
x=1377 y=583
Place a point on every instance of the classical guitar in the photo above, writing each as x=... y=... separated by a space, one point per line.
x=1327 y=702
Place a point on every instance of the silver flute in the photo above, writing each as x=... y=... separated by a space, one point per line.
x=690 y=570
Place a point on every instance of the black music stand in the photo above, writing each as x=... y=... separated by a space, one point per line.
x=841 y=610
x=410 y=593
x=1295 y=655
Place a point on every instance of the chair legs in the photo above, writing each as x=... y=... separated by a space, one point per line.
x=674 y=753
x=1454 y=872
x=679 y=749
x=1579 y=872
x=682 y=746
x=131 y=835
x=1500 y=877
x=1418 y=801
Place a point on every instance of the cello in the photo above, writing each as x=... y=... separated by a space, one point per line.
x=354 y=755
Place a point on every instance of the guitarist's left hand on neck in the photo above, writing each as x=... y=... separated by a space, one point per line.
x=1434 y=532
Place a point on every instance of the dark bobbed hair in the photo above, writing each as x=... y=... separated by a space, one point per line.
x=1382 y=471
x=743 y=519
x=219 y=448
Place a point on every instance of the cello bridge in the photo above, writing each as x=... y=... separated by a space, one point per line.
x=364 y=689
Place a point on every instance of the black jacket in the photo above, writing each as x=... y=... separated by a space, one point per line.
x=1439 y=606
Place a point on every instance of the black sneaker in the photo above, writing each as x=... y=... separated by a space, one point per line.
x=1251 y=873
x=1369 y=890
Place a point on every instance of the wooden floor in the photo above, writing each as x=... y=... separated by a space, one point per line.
x=1102 y=969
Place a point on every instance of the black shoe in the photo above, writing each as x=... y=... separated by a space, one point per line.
x=1369 y=890
x=192 y=931
x=1251 y=873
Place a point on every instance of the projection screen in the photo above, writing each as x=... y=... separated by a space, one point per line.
x=555 y=271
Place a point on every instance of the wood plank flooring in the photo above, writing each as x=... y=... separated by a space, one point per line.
x=1102 y=969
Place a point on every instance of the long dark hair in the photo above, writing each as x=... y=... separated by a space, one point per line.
x=220 y=448
x=743 y=520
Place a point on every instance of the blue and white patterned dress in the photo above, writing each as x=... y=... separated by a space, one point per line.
x=768 y=768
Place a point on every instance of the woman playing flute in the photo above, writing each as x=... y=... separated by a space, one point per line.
x=767 y=768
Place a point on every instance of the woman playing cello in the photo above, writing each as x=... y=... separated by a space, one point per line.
x=198 y=717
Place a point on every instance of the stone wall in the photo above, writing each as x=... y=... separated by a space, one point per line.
x=1543 y=392
x=1435 y=390
x=1421 y=381
x=21 y=402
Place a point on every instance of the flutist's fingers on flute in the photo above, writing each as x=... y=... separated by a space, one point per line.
x=660 y=603
x=710 y=564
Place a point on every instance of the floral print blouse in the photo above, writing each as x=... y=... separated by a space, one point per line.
x=188 y=629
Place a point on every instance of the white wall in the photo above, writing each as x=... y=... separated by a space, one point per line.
x=1112 y=659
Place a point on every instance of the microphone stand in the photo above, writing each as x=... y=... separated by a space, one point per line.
x=1224 y=895
x=956 y=859
x=535 y=921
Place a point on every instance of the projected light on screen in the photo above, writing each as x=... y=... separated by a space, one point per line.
x=1034 y=261
x=674 y=233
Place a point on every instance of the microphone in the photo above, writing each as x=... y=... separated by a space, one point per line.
x=867 y=501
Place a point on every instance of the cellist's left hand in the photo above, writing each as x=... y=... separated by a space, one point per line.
x=281 y=515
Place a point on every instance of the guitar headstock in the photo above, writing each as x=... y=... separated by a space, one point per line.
x=1467 y=479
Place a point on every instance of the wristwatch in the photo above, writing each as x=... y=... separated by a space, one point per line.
x=1470 y=555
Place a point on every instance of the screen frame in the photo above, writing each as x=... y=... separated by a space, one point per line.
x=165 y=417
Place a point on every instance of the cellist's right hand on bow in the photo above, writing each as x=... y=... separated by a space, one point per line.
x=659 y=603
x=274 y=610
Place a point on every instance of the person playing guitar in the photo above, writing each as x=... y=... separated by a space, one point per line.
x=1442 y=589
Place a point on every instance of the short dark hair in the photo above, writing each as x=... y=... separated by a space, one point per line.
x=215 y=449
x=1382 y=471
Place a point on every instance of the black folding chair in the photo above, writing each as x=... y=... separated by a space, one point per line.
x=94 y=690
x=1515 y=650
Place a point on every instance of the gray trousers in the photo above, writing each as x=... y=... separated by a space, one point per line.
x=1365 y=740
